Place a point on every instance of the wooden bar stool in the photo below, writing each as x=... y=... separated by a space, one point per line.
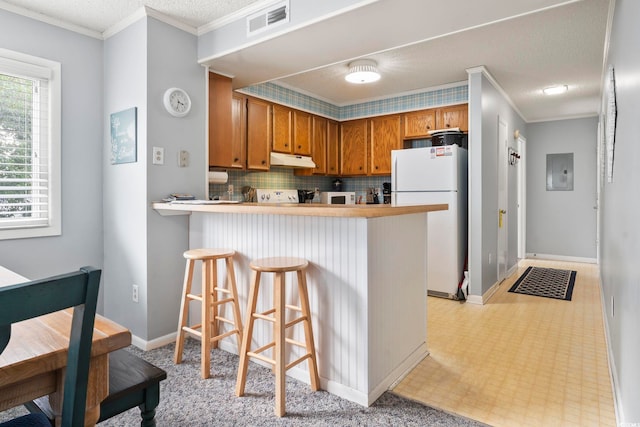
x=276 y=315
x=208 y=330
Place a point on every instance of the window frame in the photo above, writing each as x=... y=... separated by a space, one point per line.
x=54 y=145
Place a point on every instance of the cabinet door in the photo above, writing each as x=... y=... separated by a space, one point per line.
x=333 y=148
x=456 y=116
x=282 y=138
x=301 y=133
x=238 y=131
x=258 y=134
x=319 y=145
x=220 y=91
x=353 y=147
x=417 y=124
x=384 y=136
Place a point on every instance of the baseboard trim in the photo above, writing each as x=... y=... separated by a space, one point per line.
x=481 y=300
x=561 y=258
x=154 y=343
x=613 y=377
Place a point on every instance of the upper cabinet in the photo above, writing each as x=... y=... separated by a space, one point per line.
x=301 y=133
x=238 y=131
x=353 y=147
x=455 y=116
x=418 y=123
x=319 y=145
x=333 y=148
x=258 y=134
x=221 y=149
x=282 y=126
x=384 y=136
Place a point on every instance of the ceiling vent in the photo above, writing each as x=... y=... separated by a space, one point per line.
x=268 y=18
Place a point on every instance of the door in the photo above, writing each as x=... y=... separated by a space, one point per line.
x=502 y=247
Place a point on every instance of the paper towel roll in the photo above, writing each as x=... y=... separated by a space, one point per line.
x=218 y=177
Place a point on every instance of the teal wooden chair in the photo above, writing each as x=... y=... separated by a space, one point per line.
x=39 y=297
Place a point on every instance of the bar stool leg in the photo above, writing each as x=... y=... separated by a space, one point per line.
x=247 y=333
x=279 y=337
x=231 y=277
x=214 y=310
x=184 y=307
x=308 y=332
x=205 y=338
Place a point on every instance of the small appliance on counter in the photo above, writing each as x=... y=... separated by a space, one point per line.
x=306 y=196
x=338 y=197
x=386 y=193
x=336 y=185
x=276 y=196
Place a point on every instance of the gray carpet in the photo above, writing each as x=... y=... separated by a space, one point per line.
x=188 y=400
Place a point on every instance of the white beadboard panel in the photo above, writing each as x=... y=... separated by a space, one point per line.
x=359 y=317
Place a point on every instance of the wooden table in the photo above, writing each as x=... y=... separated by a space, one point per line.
x=33 y=363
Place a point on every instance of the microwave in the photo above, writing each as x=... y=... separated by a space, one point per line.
x=338 y=197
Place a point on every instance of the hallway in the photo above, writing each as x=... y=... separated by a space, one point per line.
x=519 y=360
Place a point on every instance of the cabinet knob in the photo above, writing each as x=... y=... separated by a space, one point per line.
x=428 y=127
x=236 y=159
x=286 y=145
x=448 y=125
x=264 y=162
x=299 y=146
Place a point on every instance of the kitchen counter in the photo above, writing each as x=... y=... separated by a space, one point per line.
x=302 y=209
x=367 y=282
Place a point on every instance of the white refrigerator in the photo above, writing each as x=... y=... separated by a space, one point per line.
x=436 y=175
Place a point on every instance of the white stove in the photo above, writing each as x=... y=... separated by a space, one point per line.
x=276 y=196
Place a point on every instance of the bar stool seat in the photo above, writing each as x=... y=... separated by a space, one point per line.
x=208 y=330
x=279 y=266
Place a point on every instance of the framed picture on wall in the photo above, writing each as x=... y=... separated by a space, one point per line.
x=124 y=136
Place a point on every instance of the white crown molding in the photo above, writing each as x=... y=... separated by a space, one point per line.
x=146 y=11
x=49 y=20
x=482 y=69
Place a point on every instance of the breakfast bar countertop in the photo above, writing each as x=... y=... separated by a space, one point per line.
x=298 y=209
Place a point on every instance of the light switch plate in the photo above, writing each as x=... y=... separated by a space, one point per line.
x=158 y=156
x=183 y=158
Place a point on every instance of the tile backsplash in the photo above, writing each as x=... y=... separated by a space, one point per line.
x=284 y=179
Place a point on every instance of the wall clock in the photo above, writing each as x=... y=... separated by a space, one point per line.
x=177 y=102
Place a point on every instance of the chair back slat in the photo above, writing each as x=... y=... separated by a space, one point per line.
x=39 y=297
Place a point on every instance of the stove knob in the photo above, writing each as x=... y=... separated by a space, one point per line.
x=262 y=197
x=268 y=196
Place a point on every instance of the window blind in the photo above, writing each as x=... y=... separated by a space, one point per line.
x=24 y=142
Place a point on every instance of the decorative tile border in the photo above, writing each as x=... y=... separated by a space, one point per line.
x=455 y=94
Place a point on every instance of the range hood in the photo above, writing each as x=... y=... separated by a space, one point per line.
x=291 y=160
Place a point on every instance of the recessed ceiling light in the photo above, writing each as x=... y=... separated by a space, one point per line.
x=363 y=71
x=555 y=90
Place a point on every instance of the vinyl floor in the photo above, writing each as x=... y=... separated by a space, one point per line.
x=519 y=360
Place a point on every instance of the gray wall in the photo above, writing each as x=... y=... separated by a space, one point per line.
x=486 y=105
x=140 y=246
x=81 y=240
x=620 y=228
x=562 y=223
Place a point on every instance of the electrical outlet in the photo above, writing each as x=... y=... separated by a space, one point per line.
x=158 y=156
x=134 y=293
x=230 y=189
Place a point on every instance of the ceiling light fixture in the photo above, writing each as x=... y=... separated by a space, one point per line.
x=363 y=71
x=555 y=90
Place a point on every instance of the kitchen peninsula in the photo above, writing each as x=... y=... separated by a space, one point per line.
x=367 y=282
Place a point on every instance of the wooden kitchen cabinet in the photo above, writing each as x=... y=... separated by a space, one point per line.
x=238 y=131
x=258 y=134
x=222 y=151
x=455 y=116
x=417 y=124
x=353 y=147
x=333 y=148
x=302 y=128
x=384 y=136
x=319 y=145
x=282 y=127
